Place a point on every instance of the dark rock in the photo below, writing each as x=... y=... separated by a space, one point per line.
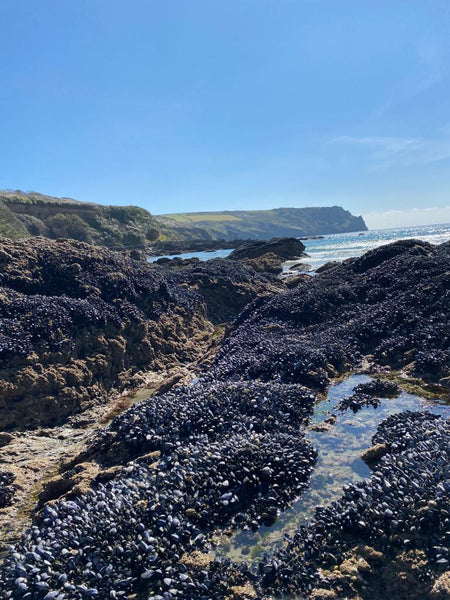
x=285 y=248
x=369 y=394
x=163 y=261
x=332 y=264
x=226 y=287
x=300 y=267
x=396 y=311
x=267 y=263
x=295 y=280
x=6 y=488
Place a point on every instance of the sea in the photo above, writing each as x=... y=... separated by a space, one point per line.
x=340 y=246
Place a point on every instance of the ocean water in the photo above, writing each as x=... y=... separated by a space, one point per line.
x=346 y=245
x=200 y=255
x=340 y=246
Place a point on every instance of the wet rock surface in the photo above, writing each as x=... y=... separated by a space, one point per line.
x=369 y=394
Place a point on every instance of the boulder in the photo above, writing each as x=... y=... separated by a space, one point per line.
x=285 y=248
x=267 y=263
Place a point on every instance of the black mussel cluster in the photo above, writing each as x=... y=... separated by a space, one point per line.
x=226 y=286
x=53 y=289
x=6 y=488
x=392 y=303
x=66 y=301
x=369 y=394
x=218 y=269
x=403 y=510
x=39 y=267
x=229 y=452
x=208 y=408
x=94 y=319
x=230 y=455
x=77 y=321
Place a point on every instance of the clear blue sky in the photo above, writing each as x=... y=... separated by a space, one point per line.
x=223 y=104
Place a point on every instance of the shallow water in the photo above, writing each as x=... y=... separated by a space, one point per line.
x=200 y=255
x=340 y=246
x=339 y=463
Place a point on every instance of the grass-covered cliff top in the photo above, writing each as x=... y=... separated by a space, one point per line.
x=265 y=224
x=32 y=214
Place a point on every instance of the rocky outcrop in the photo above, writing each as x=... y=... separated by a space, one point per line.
x=142 y=505
x=267 y=263
x=226 y=287
x=284 y=248
x=78 y=322
x=391 y=304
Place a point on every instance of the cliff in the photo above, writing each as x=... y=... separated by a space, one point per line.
x=263 y=224
x=31 y=214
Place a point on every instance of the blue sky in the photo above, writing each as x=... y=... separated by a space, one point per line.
x=209 y=105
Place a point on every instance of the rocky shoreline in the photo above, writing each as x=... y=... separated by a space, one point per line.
x=80 y=322
x=174 y=247
x=226 y=450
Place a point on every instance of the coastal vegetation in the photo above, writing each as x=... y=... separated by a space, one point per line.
x=264 y=224
x=32 y=214
x=131 y=227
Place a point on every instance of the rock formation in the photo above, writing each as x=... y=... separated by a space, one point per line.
x=285 y=248
x=79 y=322
x=229 y=450
x=391 y=303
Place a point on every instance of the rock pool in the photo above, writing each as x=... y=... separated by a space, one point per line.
x=340 y=439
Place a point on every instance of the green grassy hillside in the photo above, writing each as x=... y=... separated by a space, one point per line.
x=31 y=214
x=264 y=224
